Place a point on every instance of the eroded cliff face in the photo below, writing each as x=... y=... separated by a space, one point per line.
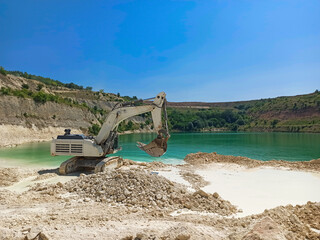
x=25 y=120
x=26 y=112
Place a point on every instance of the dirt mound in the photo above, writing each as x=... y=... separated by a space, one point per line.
x=296 y=220
x=139 y=188
x=265 y=229
x=206 y=158
x=280 y=223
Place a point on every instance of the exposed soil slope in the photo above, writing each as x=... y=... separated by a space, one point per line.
x=206 y=158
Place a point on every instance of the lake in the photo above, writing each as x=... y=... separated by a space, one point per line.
x=262 y=146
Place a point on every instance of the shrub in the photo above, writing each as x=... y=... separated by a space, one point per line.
x=39 y=87
x=40 y=97
x=5 y=91
x=25 y=86
x=94 y=129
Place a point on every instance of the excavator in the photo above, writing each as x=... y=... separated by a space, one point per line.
x=91 y=152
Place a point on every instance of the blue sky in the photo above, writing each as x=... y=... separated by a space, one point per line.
x=201 y=50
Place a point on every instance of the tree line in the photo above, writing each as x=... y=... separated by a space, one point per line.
x=202 y=119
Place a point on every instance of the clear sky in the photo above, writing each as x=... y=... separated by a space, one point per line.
x=201 y=50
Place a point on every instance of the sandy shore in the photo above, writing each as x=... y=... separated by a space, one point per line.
x=213 y=200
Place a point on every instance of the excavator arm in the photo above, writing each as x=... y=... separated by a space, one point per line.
x=157 y=147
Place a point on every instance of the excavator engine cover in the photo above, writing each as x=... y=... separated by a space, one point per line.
x=157 y=147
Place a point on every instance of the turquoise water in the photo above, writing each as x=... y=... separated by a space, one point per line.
x=262 y=146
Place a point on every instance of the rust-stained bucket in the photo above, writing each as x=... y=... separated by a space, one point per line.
x=157 y=147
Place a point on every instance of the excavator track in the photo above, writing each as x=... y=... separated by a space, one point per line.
x=68 y=166
x=75 y=164
x=108 y=163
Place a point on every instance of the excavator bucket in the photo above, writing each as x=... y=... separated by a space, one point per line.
x=156 y=148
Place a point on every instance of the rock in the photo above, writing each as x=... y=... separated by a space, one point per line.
x=39 y=236
x=183 y=237
x=141 y=236
x=127 y=238
x=215 y=195
x=201 y=193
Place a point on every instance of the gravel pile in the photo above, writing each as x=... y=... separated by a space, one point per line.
x=140 y=188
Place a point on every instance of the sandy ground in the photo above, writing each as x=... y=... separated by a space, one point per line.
x=254 y=190
x=80 y=207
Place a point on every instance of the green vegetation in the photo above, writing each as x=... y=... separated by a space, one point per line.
x=2 y=71
x=95 y=110
x=127 y=98
x=288 y=114
x=40 y=97
x=123 y=126
x=94 y=129
x=205 y=119
x=129 y=126
x=25 y=86
x=294 y=103
x=39 y=87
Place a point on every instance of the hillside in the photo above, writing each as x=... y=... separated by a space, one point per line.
x=32 y=110
x=40 y=108
x=285 y=114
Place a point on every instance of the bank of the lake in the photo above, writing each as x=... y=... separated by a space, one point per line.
x=261 y=146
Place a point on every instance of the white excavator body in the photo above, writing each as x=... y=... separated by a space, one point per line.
x=76 y=147
x=90 y=152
